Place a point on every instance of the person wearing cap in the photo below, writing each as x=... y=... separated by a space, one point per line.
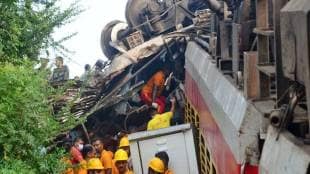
x=156 y=166
x=165 y=158
x=151 y=93
x=106 y=157
x=121 y=162
x=94 y=166
x=124 y=144
x=159 y=121
x=61 y=72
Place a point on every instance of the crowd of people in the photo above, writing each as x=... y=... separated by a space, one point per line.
x=95 y=158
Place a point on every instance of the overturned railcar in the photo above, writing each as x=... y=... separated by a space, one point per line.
x=241 y=71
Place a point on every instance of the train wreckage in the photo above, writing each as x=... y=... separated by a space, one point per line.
x=239 y=70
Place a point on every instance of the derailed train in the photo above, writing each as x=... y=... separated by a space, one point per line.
x=240 y=73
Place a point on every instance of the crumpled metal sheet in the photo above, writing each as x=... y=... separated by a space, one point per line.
x=134 y=55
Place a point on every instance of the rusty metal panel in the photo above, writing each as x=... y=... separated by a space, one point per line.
x=251 y=87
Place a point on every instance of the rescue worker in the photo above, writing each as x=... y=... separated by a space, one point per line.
x=165 y=158
x=75 y=151
x=124 y=144
x=94 y=166
x=106 y=157
x=156 y=166
x=61 y=72
x=151 y=93
x=121 y=163
x=88 y=153
x=159 y=121
x=85 y=76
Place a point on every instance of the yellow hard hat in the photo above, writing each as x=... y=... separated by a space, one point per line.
x=121 y=155
x=94 y=164
x=124 y=142
x=157 y=165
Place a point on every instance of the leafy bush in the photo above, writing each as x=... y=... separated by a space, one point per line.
x=26 y=28
x=26 y=122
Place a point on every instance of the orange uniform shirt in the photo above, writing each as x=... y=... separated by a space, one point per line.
x=69 y=169
x=115 y=170
x=158 y=79
x=106 y=159
x=82 y=169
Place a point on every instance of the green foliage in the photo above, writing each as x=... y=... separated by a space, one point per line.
x=26 y=27
x=26 y=122
x=27 y=125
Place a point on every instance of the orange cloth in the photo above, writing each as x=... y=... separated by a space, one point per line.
x=69 y=169
x=158 y=79
x=82 y=169
x=107 y=159
x=168 y=172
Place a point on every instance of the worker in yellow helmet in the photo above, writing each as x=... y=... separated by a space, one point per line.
x=94 y=166
x=88 y=153
x=105 y=155
x=163 y=155
x=121 y=162
x=124 y=144
x=156 y=166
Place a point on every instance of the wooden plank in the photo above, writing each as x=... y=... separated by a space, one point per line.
x=262 y=13
x=251 y=88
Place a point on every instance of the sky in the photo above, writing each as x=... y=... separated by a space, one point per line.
x=89 y=24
